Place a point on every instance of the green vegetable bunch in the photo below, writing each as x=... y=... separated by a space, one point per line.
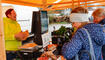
x=61 y=31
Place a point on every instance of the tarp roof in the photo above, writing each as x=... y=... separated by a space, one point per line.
x=75 y=3
x=56 y=4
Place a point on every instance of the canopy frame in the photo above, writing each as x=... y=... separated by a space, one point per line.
x=2 y=41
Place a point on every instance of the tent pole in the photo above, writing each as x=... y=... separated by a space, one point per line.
x=73 y=4
x=78 y=3
x=85 y=3
x=2 y=42
x=44 y=4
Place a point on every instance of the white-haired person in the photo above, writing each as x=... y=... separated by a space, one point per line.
x=90 y=38
x=99 y=17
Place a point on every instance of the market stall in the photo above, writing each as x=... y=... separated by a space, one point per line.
x=45 y=5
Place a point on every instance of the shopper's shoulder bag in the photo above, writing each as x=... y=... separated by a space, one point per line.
x=91 y=52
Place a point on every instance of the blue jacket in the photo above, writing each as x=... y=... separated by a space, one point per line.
x=103 y=47
x=80 y=42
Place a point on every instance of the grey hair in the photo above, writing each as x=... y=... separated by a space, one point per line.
x=99 y=12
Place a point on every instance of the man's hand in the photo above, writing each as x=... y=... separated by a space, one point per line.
x=22 y=35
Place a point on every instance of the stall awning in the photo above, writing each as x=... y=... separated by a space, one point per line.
x=34 y=3
x=56 y=4
x=75 y=3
